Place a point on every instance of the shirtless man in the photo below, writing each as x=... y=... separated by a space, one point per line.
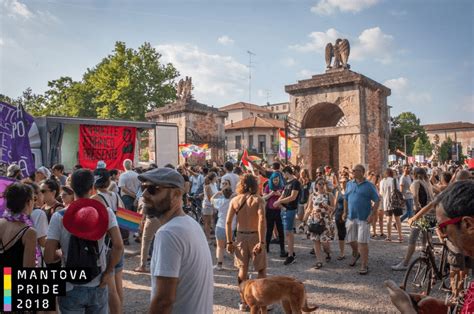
x=250 y=241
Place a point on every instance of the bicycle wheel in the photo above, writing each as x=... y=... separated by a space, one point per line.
x=418 y=277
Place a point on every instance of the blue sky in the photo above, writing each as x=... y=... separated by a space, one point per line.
x=422 y=49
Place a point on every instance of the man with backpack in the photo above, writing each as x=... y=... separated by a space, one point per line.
x=80 y=231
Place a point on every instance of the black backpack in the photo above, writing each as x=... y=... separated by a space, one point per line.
x=422 y=196
x=83 y=253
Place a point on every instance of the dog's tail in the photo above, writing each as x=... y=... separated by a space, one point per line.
x=305 y=307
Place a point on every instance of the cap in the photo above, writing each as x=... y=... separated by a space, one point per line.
x=163 y=176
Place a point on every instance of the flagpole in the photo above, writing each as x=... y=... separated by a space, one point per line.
x=286 y=140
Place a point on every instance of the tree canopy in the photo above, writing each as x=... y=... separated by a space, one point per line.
x=406 y=123
x=124 y=85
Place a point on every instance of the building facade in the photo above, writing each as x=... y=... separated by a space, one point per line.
x=197 y=124
x=279 y=110
x=459 y=132
x=258 y=135
x=242 y=110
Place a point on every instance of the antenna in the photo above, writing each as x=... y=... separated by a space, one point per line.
x=267 y=92
x=250 y=73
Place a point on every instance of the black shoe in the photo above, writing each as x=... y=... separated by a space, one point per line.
x=283 y=254
x=290 y=260
x=311 y=252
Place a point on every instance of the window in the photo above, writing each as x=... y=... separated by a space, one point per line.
x=251 y=114
x=273 y=108
x=238 y=142
x=278 y=108
x=262 y=145
x=284 y=107
x=250 y=141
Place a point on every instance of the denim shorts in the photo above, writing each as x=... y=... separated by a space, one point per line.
x=288 y=218
x=220 y=233
x=119 y=265
x=85 y=300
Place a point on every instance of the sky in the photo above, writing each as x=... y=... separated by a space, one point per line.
x=422 y=49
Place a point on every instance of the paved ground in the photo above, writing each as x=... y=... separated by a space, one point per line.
x=334 y=288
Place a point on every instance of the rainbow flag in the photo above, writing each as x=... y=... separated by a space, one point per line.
x=128 y=219
x=188 y=150
x=282 y=153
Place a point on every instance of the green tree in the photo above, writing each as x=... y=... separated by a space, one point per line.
x=129 y=83
x=418 y=147
x=445 y=150
x=407 y=124
x=33 y=103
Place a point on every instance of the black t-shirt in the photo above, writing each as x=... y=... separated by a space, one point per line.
x=293 y=185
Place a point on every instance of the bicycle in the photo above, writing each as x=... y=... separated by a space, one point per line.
x=423 y=273
x=193 y=208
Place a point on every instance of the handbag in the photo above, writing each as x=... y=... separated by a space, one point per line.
x=397 y=200
x=317 y=227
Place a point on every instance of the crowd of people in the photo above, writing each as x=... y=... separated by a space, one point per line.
x=51 y=216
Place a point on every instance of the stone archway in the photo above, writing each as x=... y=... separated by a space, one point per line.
x=343 y=119
x=324 y=150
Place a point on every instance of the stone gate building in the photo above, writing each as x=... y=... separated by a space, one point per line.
x=339 y=118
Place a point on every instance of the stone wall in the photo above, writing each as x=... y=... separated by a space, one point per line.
x=317 y=104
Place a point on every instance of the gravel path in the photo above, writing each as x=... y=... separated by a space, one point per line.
x=335 y=288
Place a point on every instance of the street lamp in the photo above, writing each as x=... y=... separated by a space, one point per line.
x=405 y=143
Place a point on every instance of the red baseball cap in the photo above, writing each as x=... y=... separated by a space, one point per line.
x=86 y=219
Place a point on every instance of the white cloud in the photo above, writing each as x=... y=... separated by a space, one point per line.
x=397 y=84
x=373 y=43
x=214 y=76
x=328 y=7
x=261 y=93
x=18 y=10
x=318 y=41
x=15 y=8
x=225 y=40
x=1 y=41
x=288 y=62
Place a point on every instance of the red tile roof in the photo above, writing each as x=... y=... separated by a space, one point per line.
x=244 y=105
x=448 y=126
x=256 y=122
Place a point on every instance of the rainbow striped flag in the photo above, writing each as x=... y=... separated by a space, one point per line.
x=128 y=219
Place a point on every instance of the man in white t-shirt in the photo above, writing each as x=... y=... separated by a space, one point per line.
x=128 y=184
x=405 y=182
x=90 y=220
x=229 y=175
x=181 y=266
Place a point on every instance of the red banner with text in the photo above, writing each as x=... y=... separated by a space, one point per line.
x=112 y=144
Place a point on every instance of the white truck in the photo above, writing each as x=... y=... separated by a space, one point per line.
x=56 y=140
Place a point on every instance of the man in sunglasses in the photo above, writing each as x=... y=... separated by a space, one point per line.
x=181 y=265
x=455 y=215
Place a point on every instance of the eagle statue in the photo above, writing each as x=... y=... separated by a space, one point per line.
x=340 y=52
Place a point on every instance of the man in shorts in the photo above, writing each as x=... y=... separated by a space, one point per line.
x=249 y=208
x=289 y=200
x=360 y=207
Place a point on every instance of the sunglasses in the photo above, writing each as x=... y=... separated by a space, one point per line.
x=153 y=189
x=442 y=226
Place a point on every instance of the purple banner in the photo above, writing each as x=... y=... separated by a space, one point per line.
x=15 y=123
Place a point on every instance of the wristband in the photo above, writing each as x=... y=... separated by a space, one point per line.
x=229 y=243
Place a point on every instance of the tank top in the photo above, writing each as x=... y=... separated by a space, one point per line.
x=340 y=203
x=111 y=199
x=207 y=201
x=13 y=256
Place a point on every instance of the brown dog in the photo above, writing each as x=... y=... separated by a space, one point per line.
x=258 y=293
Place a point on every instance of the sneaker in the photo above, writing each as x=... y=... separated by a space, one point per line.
x=290 y=260
x=311 y=252
x=400 y=266
x=283 y=254
x=218 y=266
